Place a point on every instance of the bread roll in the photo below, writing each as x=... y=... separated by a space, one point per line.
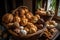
x=40 y=11
x=34 y=19
x=21 y=11
x=23 y=21
x=7 y=18
x=26 y=10
x=51 y=24
x=17 y=19
x=29 y=15
x=22 y=16
x=16 y=25
x=55 y=24
x=16 y=13
x=32 y=28
x=38 y=16
x=27 y=29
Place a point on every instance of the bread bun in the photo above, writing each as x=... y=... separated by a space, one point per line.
x=21 y=11
x=16 y=25
x=23 y=21
x=22 y=16
x=38 y=16
x=55 y=24
x=27 y=29
x=32 y=28
x=16 y=13
x=26 y=10
x=34 y=19
x=40 y=11
x=51 y=24
x=29 y=15
x=17 y=19
x=7 y=18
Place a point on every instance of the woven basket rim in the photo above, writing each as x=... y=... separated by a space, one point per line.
x=27 y=36
x=18 y=8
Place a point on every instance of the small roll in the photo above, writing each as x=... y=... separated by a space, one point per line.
x=27 y=29
x=23 y=21
x=21 y=11
x=17 y=19
x=29 y=15
x=26 y=10
x=40 y=11
x=16 y=25
x=32 y=28
x=34 y=19
x=7 y=18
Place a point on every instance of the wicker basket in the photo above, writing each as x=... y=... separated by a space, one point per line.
x=28 y=35
x=18 y=8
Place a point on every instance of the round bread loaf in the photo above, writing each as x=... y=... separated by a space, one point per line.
x=7 y=18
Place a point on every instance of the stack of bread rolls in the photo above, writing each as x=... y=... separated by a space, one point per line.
x=23 y=22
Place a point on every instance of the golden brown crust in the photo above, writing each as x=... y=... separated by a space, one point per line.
x=17 y=19
x=32 y=28
x=29 y=15
x=27 y=29
x=24 y=21
x=7 y=18
x=41 y=12
x=34 y=19
x=21 y=11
